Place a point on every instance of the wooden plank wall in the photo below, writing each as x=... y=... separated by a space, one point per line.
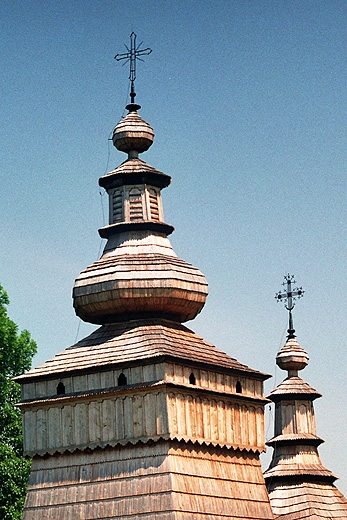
x=100 y=380
x=217 y=420
x=221 y=381
x=142 y=414
x=295 y=416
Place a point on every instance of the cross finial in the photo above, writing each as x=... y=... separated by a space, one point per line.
x=131 y=56
x=288 y=297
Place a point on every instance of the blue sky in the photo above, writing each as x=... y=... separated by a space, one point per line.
x=248 y=102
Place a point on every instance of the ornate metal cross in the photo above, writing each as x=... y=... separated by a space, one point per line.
x=288 y=297
x=131 y=56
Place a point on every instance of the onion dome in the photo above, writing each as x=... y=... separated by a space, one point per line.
x=133 y=134
x=139 y=274
x=292 y=357
x=122 y=287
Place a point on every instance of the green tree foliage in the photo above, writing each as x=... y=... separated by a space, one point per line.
x=16 y=352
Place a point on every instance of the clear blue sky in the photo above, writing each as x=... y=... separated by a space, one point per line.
x=248 y=101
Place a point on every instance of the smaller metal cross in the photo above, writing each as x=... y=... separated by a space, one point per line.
x=288 y=297
x=131 y=56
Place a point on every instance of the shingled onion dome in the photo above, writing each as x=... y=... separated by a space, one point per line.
x=139 y=275
x=133 y=135
x=292 y=357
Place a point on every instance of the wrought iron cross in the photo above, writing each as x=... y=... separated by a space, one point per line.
x=288 y=297
x=131 y=56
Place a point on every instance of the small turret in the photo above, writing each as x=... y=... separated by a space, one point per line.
x=296 y=478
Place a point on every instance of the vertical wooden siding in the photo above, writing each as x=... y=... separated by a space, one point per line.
x=142 y=415
x=170 y=372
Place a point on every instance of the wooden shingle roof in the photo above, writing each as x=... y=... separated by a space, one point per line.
x=137 y=341
x=135 y=166
x=292 y=469
x=292 y=386
x=312 y=501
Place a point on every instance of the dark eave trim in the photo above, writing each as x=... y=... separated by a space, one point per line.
x=157 y=179
x=158 y=227
x=308 y=396
x=294 y=442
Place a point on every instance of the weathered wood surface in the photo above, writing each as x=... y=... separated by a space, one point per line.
x=80 y=422
x=312 y=501
x=135 y=202
x=137 y=341
x=298 y=460
x=139 y=283
x=172 y=481
x=292 y=386
x=140 y=241
x=133 y=133
x=295 y=416
x=299 y=486
x=134 y=165
x=170 y=372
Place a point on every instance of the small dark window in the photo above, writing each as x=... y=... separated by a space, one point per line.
x=122 y=380
x=192 y=379
x=60 y=388
x=238 y=388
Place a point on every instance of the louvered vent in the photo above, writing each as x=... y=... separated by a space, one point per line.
x=117 y=206
x=135 y=204
x=153 y=204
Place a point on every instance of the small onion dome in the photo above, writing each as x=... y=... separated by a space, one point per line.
x=292 y=357
x=119 y=287
x=133 y=134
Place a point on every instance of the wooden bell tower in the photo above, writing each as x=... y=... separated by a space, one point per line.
x=143 y=419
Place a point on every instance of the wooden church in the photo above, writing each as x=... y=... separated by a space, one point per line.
x=144 y=419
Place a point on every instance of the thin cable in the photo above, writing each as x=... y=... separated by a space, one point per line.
x=78 y=330
x=102 y=191
x=274 y=384
x=270 y=421
x=102 y=194
x=108 y=151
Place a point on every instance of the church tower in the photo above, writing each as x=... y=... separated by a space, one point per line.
x=299 y=486
x=143 y=419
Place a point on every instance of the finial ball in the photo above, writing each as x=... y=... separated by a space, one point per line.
x=133 y=134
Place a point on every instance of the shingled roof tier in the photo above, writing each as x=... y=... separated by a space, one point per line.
x=138 y=170
x=291 y=387
x=303 y=500
x=135 y=342
x=117 y=285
